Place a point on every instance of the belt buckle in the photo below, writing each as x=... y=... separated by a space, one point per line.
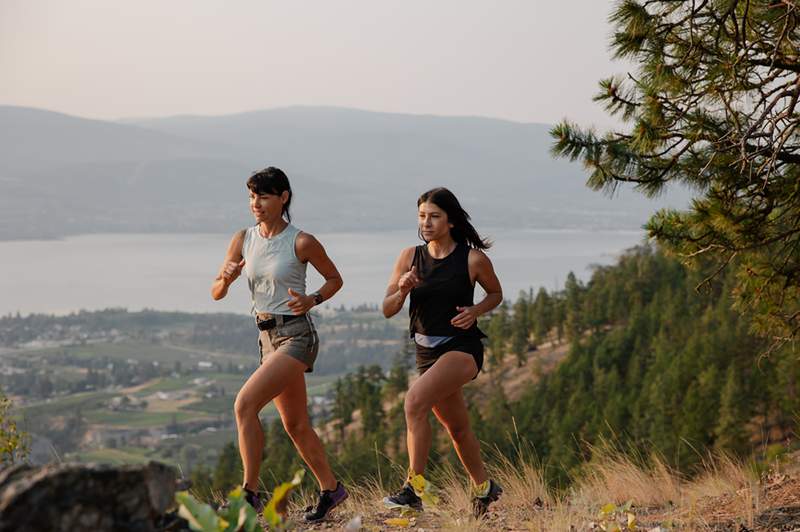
x=266 y=324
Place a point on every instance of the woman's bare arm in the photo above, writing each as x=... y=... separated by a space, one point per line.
x=309 y=249
x=231 y=268
x=482 y=272
x=404 y=278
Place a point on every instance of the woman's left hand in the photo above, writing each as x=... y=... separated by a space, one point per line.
x=299 y=304
x=465 y=318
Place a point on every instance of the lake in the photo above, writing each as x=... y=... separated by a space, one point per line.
x=174 y=271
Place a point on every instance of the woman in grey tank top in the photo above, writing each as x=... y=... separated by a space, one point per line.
x=274 y=255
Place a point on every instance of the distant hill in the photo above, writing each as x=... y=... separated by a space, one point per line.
x=352 y=170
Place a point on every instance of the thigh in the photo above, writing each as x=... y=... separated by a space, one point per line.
x=292 y=402
x=299 y=340
x=448 y=374
x=270 y=379
x=452 y=411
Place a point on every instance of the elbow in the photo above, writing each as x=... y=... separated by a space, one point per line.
x=216 y=293
x=388 y=311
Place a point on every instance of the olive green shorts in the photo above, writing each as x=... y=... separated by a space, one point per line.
x=298 y=339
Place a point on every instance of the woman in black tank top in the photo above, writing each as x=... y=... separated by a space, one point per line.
x=440 y=276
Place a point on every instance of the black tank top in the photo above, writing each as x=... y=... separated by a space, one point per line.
x=444 y=285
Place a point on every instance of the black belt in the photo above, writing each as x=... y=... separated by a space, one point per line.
x=274 y=321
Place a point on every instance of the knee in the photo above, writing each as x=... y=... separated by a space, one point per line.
x=415 y=406
x=244 y=408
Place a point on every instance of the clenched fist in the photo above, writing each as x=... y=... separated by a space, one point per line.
x=231 y=270
x=299 y=304
x=408 y=281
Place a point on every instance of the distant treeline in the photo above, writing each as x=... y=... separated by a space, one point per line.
x=350 y=338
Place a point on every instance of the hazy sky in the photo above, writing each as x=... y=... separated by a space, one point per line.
x=524 y=60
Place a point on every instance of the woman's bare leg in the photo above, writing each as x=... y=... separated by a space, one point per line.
x=292 y=406
x=447 y=375
x=266 y=383
x=453 y=415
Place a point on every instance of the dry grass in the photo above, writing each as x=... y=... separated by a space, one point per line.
x=724 y=496
x=614 y=477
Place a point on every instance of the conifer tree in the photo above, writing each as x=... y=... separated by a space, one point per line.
x=542 y=315
x=498 y=332
x=730 y=430
x=520 y=329
x=228 y=471
x=713 y=104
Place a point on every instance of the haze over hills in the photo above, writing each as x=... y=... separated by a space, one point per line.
x=351 y=170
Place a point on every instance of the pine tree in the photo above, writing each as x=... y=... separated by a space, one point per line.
x=730 y=430
x=228 y=471
x=520 y=329
x=498 y=332
x=542 y=315
x=713 y=104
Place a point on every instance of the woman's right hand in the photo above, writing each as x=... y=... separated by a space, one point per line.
x=231 y=270
x=408 y=281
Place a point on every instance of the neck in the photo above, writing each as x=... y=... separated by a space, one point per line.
x=272 y=228
x=442 y=247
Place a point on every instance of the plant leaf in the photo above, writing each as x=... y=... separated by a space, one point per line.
x=201 y=517
x=275 y=510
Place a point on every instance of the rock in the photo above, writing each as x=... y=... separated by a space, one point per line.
x=353 y=525
x=99 y=498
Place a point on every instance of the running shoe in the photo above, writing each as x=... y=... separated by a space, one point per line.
x=405 y=498
x=328 y=500
x=254 y=499
x=485 y=494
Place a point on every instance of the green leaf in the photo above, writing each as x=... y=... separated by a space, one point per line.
x=631 y=521
x=239 y=514
x=276 y=508
x=423 y=489
x=608 y=510
x=201 y=517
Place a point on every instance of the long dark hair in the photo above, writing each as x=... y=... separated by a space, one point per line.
x=462 y=231
x=272 y=180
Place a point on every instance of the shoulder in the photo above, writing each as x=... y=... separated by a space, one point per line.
x=478 y=258
x=306 y=246
x=305 y=240
x=236 y=245
x=407 y=255
x=239 y=237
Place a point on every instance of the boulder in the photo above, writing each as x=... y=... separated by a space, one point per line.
x=91 y=497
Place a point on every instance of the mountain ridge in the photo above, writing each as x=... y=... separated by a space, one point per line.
x=64 y=175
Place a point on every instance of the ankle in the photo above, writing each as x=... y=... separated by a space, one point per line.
x=331 y=487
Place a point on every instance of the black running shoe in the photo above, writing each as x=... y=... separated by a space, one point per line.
x=328 y=500
x=480 y=505
x=405 y=498
x=254 y=500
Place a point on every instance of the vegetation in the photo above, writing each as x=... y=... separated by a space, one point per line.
x=712 y=105
x=237 y=515
x=13 y=442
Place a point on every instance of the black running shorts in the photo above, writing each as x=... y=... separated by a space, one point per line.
x=427 y=356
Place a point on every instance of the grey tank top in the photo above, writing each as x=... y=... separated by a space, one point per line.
x=272 y=267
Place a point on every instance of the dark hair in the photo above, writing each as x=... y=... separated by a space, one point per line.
x=271 y=180
x=462 y=231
